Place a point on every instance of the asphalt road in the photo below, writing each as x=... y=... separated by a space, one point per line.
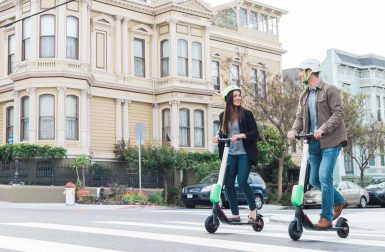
x=56 y=227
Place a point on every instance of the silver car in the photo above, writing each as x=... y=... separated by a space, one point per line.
x=352 y=193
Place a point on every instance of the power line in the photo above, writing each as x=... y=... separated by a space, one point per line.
x=54 y=7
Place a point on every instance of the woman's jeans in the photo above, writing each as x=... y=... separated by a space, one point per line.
x=239 y=165
x=322 y=162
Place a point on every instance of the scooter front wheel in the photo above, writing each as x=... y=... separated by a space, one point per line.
x=258 y=225
x=293 y=233
x=211 y=224
x=341 y=223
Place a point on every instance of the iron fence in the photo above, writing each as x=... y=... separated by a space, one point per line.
x=48 y=172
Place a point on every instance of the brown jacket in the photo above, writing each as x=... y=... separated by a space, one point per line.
x=330 y=115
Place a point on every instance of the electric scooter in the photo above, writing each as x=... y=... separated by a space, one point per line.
x=218 y=215
x=301 y=220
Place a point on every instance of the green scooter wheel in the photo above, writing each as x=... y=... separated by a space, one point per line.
x=211 y=224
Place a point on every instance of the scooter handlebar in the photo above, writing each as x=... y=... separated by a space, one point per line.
x=308 y=135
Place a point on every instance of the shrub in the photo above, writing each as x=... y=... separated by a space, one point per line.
x=133 y=197
x=156 y=198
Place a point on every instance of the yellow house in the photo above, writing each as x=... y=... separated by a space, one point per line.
x=83 y=74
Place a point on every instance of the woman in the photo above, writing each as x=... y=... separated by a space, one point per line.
x=238 y=123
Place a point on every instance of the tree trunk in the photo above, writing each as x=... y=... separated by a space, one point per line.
x=280 y=175
x=84 y=179
x=362 y=177
x=165 y=188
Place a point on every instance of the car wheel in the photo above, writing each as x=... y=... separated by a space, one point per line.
x=362 y=202
x=190 y=206
x=258 y=201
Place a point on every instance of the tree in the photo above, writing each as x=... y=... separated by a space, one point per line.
x=365 y=139
x=82 y=162
x=274 y=102
x=162 y=159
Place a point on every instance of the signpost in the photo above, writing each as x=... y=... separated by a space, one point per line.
x=140 y=133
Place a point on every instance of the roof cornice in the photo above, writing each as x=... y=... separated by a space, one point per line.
x=246 y=44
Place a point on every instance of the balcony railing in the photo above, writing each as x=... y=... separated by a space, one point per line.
x=49 y=64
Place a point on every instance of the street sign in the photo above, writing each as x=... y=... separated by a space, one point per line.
x=140 y=132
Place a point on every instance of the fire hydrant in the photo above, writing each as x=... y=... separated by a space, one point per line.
x=70 y=193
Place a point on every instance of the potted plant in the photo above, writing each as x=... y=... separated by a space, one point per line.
x=80 y=162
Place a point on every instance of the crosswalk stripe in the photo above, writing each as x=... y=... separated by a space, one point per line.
x=207 y=242
x=306 y=234
x=30 y=245
x=284 y=227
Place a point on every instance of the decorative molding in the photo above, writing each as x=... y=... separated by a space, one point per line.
x=245 y=44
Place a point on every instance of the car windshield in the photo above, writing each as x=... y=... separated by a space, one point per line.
x=376 y=186
x=211 y=179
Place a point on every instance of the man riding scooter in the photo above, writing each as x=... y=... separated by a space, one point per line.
x=320 y=111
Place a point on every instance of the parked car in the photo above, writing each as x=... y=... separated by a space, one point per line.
x=377 y=193
x=199 y=194
x=352 y=193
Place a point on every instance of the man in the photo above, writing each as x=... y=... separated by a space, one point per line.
x=320 y=111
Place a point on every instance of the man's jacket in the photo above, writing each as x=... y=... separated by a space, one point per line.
x=330 y=115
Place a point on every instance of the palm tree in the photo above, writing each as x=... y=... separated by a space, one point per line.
x=80 y=161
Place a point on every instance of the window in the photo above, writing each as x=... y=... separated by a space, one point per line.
x=215 y=75
x=263 y=22
x=11 y=52
x=254 y=20
x=9 y=123
x=382 y=155
x=47 y=117
x=26 y=43
x=182 y=57
x=164 y=55
x=275 y=25
x=243 y=17
x=216 y=126
x=379 y=110
x=184 y=128
x=101 y=50
x=368 y=102
x=372 y=160
x=293 y=147
x=235 y=75
x=269 y=25
x=24 y=121
x=72 y=117
x=139 y=60
x=196 y=60
x=47 y=36
x=348 y=164
x=254 y=81
x=72 y=38
x=166 y=135
x=199 y=130
x=262 y=83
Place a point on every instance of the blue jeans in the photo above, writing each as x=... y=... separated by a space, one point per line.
x=239 y=165
x=322 y=162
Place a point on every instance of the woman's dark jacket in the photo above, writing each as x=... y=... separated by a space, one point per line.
x=248 y=126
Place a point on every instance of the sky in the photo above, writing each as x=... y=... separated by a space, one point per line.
x=313 y=26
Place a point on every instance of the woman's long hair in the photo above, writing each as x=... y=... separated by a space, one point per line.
x=231 y=113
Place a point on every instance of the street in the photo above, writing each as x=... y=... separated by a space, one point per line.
x=56 y=227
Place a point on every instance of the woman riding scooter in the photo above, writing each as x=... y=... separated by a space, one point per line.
x=238 y=123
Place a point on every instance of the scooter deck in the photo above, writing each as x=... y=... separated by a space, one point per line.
x=307 y=224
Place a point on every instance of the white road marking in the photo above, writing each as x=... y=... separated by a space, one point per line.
x=30 y=245
x=200 y=241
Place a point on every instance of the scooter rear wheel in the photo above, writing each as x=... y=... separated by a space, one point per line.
x=342 y=233
x=259 y=224
x=293 y=233
x=211 y=224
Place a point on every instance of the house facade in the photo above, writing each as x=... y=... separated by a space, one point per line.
x=82 y=75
